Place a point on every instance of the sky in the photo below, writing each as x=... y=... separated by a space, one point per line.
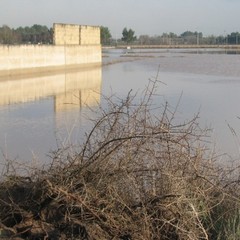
x=151 y=17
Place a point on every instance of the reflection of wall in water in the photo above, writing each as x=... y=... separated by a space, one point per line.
x=34 y=88
x=79 y=93
x=77 y=99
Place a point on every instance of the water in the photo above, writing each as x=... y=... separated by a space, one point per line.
x=42 y=113
x=207 y=82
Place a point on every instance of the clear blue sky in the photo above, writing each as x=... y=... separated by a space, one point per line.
x=152 y=17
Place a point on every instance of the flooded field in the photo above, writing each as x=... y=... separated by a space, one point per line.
x=39 y=114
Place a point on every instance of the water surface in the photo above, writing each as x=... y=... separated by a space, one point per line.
x=42 y=113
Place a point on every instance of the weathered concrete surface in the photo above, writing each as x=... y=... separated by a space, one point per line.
x=69 y=34
x=89 y=35
x=34 y=58
x=66 y=34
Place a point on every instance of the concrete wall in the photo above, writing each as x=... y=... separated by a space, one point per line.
x=34 y=58
x=66 y=34
x=69 y=34
x=89 y=35
x=74 y=45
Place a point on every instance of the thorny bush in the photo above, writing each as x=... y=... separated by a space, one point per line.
x=138 y=175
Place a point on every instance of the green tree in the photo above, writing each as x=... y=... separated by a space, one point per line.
x=233 y=38
x=128 y=35
x=144 y=39
x=191 y=37
x=35 y=34
x=209 y=40
x=220 y=40
x=6 y=35
x=105 y=35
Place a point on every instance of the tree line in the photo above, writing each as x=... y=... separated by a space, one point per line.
x=40 y=34
x=36 y=34
x=187 y=37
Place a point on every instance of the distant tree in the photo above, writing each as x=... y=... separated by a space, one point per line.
x=105 y=35
x=172 y=35
x=144 y=39
x=6 y=35
x=165 y=38
x=50 y=39
x=220 y=40
x=191 y=37
x=39 y=34
x=233 y=38
x=128 y=35
x=35 y=34
x=187 y=34
x=210 y=40
x=24 y=35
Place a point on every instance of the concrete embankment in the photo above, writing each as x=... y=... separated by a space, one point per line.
x=35 y=58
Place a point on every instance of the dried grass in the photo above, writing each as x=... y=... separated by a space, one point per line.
x=138 y=176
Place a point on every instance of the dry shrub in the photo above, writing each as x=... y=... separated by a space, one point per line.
x=138 y=175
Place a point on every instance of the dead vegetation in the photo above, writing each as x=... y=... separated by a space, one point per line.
x=138 y=175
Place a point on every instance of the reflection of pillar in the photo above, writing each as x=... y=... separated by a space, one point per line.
x=67 y=101
x=77 y=99
x=81 y=89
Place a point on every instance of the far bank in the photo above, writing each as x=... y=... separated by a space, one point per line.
x=177 y=46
